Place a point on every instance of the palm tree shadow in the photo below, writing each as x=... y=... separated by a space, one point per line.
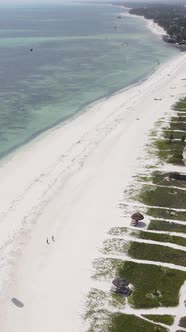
x=17 y=303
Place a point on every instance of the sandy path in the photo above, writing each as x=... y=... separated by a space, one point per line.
x=124 y=257
x=69 y=183
x=133 y=239
x=140 y=205
x=161 y=232
x=161 y=186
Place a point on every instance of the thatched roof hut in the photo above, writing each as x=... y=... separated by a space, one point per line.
x=137 y=216
x=120 y=282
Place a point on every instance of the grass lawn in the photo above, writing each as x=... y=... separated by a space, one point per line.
x=154 y=225
x=147 y=279
x=170 y=152
x=180 y=104
x=161 y=178
x=165 y=319
x=181 y=113
x=176 y=134
x=158 y=253
x=142 y=177
x=179 y=117
x=131 y=323
x=169 y=149
x=160 y=225
x=164 y=197
x=163 y=238
x=177 y=126
x=166 y=214
x=145 y=251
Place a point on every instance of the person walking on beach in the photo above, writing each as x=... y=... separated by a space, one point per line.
x=47 y=241
x=53 y=238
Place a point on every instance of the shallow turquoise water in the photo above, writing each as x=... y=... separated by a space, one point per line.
x=78 y=57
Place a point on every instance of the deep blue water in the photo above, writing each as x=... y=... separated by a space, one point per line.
x=78 y=57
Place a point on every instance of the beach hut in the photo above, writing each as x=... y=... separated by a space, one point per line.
x=120 y=286
x=120 y=282
x=135 y=218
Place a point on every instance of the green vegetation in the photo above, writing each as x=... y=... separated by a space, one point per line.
x=170 y=17
x=165 y=319
x=154 y=286
x=168 y=148
x=97 y=299
x=164 y=197
x=179 y=118
x=166 y=214
x=176 y=134
x=143 y=178
x=181 y=104
x=182 y=322
x=157 y=253
x=163 y=238
x=154 y=225
x=131 y=323
x=162 y=179
x=166 y=226
x=177 y=126
x=181 y=112
x=145 y=251
x=170 y=152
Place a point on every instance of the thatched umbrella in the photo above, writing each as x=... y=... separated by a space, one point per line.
x=137 y=216
x=120 y=282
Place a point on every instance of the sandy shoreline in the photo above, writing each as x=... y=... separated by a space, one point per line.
x=155 y=28
x=68 y=184
x=150 y=24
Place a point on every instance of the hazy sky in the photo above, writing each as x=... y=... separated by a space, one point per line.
x=6 y=2
x=30 y=1
x=46 y=1
x=66 y=1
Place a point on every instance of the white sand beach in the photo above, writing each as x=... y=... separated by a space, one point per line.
x=155 y=28
x=68 y=183
x=150 y=24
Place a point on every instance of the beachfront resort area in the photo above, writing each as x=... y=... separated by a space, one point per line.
x=144 y=256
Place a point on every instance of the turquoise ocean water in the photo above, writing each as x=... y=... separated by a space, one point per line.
x=78 y=57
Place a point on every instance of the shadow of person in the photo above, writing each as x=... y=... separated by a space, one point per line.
x=18 y=303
